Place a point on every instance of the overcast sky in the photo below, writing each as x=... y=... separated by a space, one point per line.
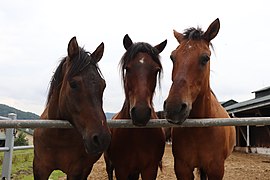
x=34 y=36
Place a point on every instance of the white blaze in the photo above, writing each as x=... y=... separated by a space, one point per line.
x=141 y=60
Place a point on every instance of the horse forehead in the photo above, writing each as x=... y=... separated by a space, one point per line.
x=93 y=73
x=89 y=74
x=193 y=46
x=143 y=59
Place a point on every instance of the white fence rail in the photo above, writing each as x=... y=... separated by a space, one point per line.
x=11 y=122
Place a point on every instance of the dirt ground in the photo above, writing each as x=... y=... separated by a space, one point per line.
x=237 y=167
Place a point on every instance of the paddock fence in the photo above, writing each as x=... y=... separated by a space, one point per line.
x=11 y=123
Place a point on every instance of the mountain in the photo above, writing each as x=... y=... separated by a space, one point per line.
x=109 y=115
x=5 y=110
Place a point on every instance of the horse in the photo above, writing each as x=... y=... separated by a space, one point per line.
x=137 y=151
x=190 y=96
x=75 y=95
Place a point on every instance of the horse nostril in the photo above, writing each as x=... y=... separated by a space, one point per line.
x=183 y=107
x=96 y=139
x=164 y=104
x=132 y=110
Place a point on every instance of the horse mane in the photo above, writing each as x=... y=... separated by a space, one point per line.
x=79 y=63
x=133 y=50
x=195 y=34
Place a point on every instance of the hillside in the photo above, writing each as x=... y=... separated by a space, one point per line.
x=109 y=115
x=5 y=110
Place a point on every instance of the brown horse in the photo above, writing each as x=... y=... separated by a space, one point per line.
x=137 y=151
x=75 y=95
x=190 y=96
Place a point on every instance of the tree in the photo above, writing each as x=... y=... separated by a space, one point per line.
x=21 y=140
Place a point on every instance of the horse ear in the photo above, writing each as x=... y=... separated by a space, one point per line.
x=160 y=47
x=212 y=30
x=179 y=37
x=98 y=53
x=73 y=47
x=127 y=41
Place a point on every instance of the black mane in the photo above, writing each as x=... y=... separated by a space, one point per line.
x=193 y=33
x=134 y=50
x=79 y=63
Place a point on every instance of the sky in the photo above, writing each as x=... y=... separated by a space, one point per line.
x=34 y=36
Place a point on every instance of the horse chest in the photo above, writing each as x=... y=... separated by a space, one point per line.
x=137 y=144
x=198 y=141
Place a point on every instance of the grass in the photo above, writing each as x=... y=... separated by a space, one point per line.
x=22 y=168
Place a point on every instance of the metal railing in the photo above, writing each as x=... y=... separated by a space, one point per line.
x=9 y=145
x=11 y=122
x=153 y=123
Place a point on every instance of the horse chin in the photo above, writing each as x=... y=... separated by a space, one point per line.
x=177 y=118
x=176 y=121
x=138 y=123
x=93 y=152
x=140 y=120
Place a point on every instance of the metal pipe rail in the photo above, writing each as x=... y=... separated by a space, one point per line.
x=153 y=123
x=11 y=122
x=16 y=148
x=4 y=118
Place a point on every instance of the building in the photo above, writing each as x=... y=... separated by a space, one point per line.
x=252 y=138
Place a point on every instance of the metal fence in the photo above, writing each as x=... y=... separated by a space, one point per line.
x=11 y=122
x=9 y=146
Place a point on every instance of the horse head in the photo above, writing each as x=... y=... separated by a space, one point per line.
x=140 y=67
x=191 y=70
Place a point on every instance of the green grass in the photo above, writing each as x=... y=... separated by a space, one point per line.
x=22 y=168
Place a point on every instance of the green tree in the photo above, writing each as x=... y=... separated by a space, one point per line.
x=21 y=140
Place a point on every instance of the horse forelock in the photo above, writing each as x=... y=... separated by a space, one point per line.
x=131 y=53
x=193 y=33
x=81 y=62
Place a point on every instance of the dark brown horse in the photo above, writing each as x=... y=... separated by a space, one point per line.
x=75 y=95
x=137 y=151
x=190 y=96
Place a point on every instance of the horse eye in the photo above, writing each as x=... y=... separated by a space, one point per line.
x=73 y=84
x=204 y=59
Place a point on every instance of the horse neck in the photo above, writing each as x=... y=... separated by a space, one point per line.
x=201 y=108
x=124 y=113
x=53 y=106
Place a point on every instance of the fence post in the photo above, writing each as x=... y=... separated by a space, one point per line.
x=9 y=142
x=248 y=140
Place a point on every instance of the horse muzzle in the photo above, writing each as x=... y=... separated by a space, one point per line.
x=176 y=113
x=140 y=115
x=97 y=143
